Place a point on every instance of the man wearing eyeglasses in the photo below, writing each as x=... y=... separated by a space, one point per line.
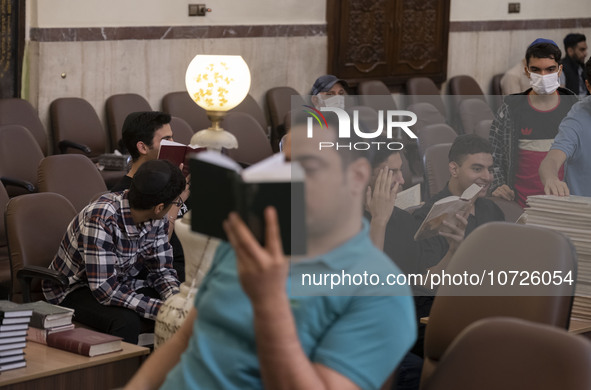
x=116 y=255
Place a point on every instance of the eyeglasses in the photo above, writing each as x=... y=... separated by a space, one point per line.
x=178 y=202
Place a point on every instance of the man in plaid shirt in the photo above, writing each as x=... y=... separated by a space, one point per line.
x=117 y=258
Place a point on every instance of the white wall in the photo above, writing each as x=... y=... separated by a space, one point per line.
x=111 y=13
x=475 y=10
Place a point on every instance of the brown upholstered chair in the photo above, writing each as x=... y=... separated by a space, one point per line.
x=436 y=165
x=118 y=107
x=511 y=209
x=181 y=105
x=181 y=131
x=472 y=112
x=19 y=157
x=434 y=135
x=5 y=281
x=511 y=354
x=72 y=175
x=482 y=128
x=253 y=144
x=279 y=103
x=496 y=247
x=460 y=88
x=427 y=114
x=35 y=225
x=424 y=90
x=77 y=128
x=15 y=111
x=375 y=94
x=251 y=107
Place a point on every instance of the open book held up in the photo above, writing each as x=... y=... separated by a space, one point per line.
x=177 y=153
x=444 y=210
x=219 y=185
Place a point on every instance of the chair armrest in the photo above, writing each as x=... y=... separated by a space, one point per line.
x=65 y=144
x=18 y=183
x=30 y=272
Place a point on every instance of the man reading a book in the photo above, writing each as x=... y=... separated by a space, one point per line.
x=391 y=228
x=141 y=136
x=247 y=331
x=117 y=258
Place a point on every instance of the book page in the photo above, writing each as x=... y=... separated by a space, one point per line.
x=273 y=169
x=409 y=198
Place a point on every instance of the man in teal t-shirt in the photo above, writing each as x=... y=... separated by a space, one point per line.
x=262 y=323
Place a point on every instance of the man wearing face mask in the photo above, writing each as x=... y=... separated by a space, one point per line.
x=526 y=124
x=329 y=91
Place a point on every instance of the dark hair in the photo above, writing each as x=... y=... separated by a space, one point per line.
x=573 y=39
x=155 y=182
x=588 y=70
x=141 y=126
x=467 y=144
x=543 y=50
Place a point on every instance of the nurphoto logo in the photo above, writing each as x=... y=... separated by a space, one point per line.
x=393 y=122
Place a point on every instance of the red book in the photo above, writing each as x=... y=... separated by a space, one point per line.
x=84 y=342
x=177 y=153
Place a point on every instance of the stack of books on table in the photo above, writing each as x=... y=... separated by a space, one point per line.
x=14 y=324
x=47 y=319
x=570 y=215
x=52 y=325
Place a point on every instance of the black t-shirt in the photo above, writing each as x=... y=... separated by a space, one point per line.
x=432 y=250
x=399 y=244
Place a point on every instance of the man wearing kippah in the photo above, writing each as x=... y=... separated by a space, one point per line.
x=526 y=124
x=117 y=258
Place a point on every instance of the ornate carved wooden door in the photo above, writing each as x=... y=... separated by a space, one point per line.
x=390 y=40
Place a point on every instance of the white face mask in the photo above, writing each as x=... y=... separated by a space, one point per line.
x=544 y=85
x=337 y=101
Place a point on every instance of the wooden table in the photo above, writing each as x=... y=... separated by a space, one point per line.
x=51 y=368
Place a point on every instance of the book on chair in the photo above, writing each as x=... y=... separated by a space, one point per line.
x=219 y=186
x=445 y=210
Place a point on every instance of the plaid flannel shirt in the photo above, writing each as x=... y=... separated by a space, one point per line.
x=105 y=250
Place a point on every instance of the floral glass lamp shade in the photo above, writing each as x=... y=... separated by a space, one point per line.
x=217 y=84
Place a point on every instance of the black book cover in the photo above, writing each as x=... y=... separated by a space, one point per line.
x=217 y=190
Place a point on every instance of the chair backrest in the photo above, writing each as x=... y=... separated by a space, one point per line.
x=5 y=280
x=74 y=119
x=375 y=94
x=279 y=103
x=434 y=135
x=181 y=131
x=251 y=107
x=508 y=353
x=427 y=114
x=19 y=157
x=460 y=88
x=35 y=226
x=510 y=208
x=472 y=111
x=118 y=107
x=253 y=144
x=482 y=128
x=16 y=111
x=423 y=89
x=498 y=247
x=436 y=167
x=72 y=175
x=181 y=105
